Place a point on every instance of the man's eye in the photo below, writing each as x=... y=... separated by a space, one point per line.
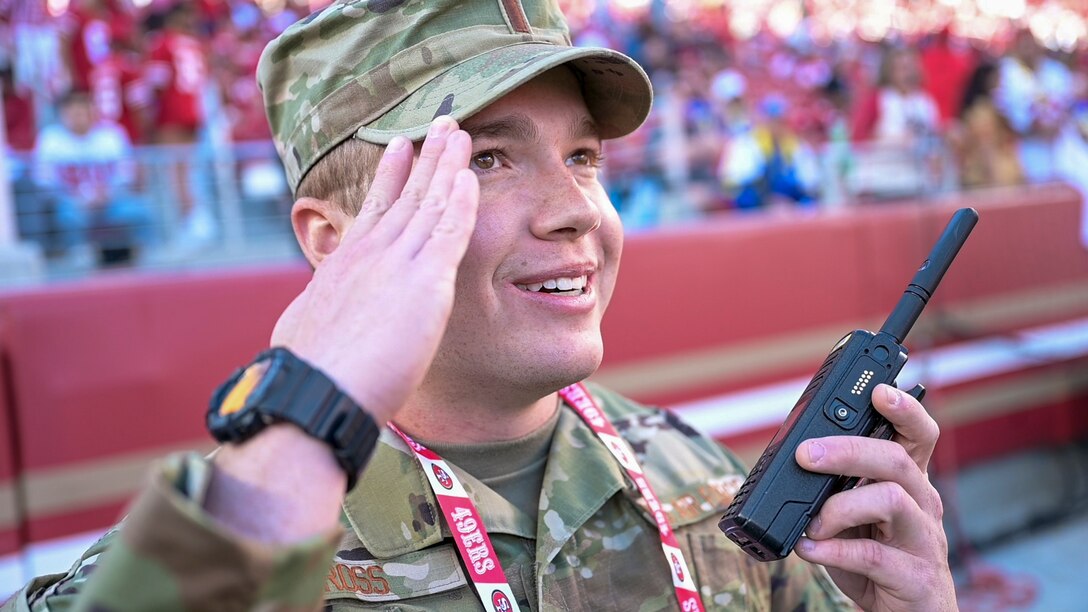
x=485 y=161
x=586 y=158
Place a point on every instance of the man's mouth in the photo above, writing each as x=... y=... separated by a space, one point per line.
x=562 y=285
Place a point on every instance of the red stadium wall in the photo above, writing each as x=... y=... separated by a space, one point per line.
x=789 y=289
x=101 y=377
x=740 y=303
x=105 y=376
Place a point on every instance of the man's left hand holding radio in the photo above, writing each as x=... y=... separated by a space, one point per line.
x=883 y=542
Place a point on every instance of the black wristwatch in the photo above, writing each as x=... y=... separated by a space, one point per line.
x=278 y=387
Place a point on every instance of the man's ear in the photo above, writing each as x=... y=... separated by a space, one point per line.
x=319 y=226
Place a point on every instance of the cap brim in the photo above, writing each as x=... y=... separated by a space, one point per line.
x=617 y=91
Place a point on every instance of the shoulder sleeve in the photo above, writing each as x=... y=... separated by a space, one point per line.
x=693 y=476
x=658 y=436
x=696 y=478
x=56 y=592
x=168 y=554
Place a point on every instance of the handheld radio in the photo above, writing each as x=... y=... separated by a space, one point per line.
x=776 y=502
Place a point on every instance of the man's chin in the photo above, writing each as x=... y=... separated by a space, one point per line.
x=574 y=371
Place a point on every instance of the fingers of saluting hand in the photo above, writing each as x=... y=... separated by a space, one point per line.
x=429 y=204
x=915 y=429
x=389 y=179
x=447 y=209
x=449 y=238
x=431 y=171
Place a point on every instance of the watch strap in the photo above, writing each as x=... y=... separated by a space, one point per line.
x=292 y=391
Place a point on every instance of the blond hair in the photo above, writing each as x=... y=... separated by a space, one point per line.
x=343 y=176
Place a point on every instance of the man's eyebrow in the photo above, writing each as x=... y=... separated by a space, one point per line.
x=584 y=127
x=521 y=127
x=515 y=126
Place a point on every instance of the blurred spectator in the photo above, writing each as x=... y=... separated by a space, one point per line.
x=85 y=163
x=905 y=111
x=1035 y=94
x=728 y=89
x=178 y=73
x=984 y=142
x=838 y=156
x=901 y=123
x=702 y=137
x=636 y=181
x=947 y=64
x=770 y=164
x=211 y=13
x=87 y=30
x=236 y=48
x=19 y=117
x=121 y=92
x=1071 y=148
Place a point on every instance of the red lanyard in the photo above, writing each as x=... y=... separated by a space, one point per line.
x=579 y=398
x=472 y=540
x=464 y=521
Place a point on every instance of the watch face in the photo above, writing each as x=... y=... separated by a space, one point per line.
x=279 y=387
x=236 y=398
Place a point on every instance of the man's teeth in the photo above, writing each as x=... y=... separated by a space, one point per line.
x=562 y=284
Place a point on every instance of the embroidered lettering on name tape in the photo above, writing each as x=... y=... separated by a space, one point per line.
x=366 y=579
x=391 y=580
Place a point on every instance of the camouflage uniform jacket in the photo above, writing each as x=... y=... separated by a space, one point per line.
x=594 y=546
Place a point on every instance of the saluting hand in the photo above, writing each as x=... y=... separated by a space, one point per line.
x=376 y=309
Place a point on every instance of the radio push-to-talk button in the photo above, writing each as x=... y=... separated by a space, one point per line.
x=842 y=414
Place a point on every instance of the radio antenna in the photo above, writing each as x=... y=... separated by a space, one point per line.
x=925 y=281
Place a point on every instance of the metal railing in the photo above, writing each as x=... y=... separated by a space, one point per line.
x=238 y=208
x=241 y=203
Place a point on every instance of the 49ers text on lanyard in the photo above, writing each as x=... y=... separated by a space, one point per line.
x=471 y=537
x=583 y=403
x=464 y=521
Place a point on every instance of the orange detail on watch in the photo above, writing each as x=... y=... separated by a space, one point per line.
x=236 y=399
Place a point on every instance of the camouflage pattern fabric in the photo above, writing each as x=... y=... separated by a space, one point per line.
x=594 y=546
x=169 y=555
x=381 y=68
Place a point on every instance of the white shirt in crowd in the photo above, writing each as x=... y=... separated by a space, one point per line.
x=82 y=165
x=901 y=116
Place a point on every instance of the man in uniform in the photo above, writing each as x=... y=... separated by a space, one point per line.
x=458 y=289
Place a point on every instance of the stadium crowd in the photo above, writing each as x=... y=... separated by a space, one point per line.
x=761 y=122
x=770 y=121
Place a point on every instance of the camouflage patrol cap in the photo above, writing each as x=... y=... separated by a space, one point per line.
x=382 y=68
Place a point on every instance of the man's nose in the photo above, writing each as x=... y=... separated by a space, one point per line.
x=564 y=207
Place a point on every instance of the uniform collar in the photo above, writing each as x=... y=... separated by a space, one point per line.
x=580 y=477
x=393 y=510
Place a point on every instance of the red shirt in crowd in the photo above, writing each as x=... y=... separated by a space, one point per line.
x=121 y=93
x=88 y=45
x=178 y=72
x=945 y=71
x=19 y=118
x=89 y=29
x=236 y=54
